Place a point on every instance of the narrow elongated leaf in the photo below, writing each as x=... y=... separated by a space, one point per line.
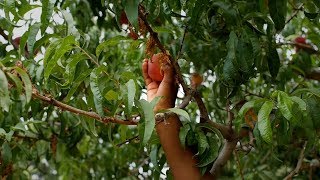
x=110 y=42
x=131 y=9
x=97 y=96
x=202 y=142
x=72 y=30
x=180 y=112
x=210 y=154
x=313 y=91
x=111 y=95
x=302 y=105
x=154 y=158
x=71 y=67
x=76 y=84
x=23 y=43
x=46 y=13
x=4 y=92
x=229 y=69
x=33 y=31
x=278 y=12
x=131 y=92
x=149 y=118
x=60 y=49
x=27 y=83
x=2 y=132
x=264 y=124
x=273 y=62
x=285 y=105
x=17 y=82
x=6 y=153
x=183 y=134
x=248 y=105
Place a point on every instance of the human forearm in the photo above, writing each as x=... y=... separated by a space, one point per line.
x=181 y=160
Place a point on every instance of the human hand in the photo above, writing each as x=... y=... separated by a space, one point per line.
x=167 y=88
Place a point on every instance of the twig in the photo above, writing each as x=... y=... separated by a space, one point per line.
x=128 y=141
x=239 y=165
x=186 y=100
x=295 y=13
x=230 y=118
x=181 y=44
x=297 y=169
x=3 y=34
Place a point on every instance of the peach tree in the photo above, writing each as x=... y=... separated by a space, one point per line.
x=72 y=96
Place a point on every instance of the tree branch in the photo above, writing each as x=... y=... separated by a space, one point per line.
x=105 y=120
x=142 y=15
x=313 y=74
x=302 y=46
x=297 y=169
x=223 y=157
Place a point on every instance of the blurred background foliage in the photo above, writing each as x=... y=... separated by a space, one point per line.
x=86 y=54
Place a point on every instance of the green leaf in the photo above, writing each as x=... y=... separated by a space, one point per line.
x=154 y=158
x=17 y=82
x=20 y=126
x=264 y=124
x=33 y=31
x=97 y=96
x=2 y=132
x=111 y=95
x=46 y=13
x=92 y=126
x=180 y=112
x=317 y=3
x=23 y=43
x=202 y=142
x=60 y=49
x=83 y=145
x=9 y=135
x=273 y=62
x=71 y=67
x=248 y=105
x=77 y=83
x=313 y=91
x=210 y=154
x=278 y=12
x=27 y=83
x=149 y=117
x=71 y=23
x=302 y=105
x=131 y=9
x=183 y=134
x=110 y=42
x=4 y=92
x=285 y=105
x=131 y=92
x=6 y=153
x=229 y=69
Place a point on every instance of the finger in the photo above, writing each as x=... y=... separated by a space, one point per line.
x=168 y=73
x=146 y=77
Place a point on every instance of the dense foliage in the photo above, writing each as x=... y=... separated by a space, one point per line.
x=87 y=54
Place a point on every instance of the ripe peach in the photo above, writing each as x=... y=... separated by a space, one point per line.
x=154 y=68
x=301 y=40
